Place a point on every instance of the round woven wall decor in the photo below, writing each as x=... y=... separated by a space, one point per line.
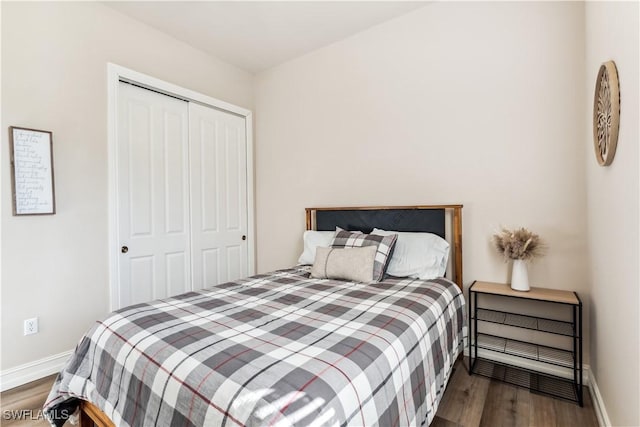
x=606 y=113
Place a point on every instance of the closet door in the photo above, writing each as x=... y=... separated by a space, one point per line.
x=153 y=195
x=218 y=170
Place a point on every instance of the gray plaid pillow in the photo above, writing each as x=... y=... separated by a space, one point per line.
x=384 y=244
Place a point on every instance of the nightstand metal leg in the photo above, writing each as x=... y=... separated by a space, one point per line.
x=580 y=352
x=470 y=333
x=473 y=349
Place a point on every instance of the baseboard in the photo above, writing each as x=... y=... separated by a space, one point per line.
x=598 y=403
x=14 y=377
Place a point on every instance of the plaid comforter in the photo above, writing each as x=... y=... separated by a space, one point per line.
x=279 y=350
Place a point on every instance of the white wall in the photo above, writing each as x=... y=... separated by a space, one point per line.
x=54 y=74
x=473 y=103
x=613 y=33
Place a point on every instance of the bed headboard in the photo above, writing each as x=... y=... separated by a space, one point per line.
x=429 y=218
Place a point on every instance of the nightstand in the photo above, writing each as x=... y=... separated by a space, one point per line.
x=555 y=370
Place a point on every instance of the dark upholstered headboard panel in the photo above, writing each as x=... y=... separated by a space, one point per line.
x=431 y=221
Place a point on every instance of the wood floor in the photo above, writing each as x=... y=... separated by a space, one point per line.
x=22 y=406
x=470 y=401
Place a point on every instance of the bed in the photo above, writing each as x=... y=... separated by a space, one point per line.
x=279 y=349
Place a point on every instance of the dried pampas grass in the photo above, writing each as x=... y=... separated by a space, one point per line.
x=518 y=244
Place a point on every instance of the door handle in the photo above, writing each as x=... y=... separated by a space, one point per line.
x=244 y=237
x=124 y=249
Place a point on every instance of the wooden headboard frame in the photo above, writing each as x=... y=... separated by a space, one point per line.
x=456 y=229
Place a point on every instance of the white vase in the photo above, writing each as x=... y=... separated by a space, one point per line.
x=519 y=276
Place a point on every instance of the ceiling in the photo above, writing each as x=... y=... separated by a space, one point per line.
x=257 y=35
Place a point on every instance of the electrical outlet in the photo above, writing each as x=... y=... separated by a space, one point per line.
x=31 y=326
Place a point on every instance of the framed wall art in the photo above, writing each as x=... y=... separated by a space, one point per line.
x=32 y=185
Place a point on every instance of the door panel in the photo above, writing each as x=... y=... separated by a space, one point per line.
x=210 y=266
x=153 y=195
x=234 y=178
x=219 y=196
x=138 y=119
x=208 y=171
x=177 y=265
x=142 y=274
x=176 y=179
x=234 y=261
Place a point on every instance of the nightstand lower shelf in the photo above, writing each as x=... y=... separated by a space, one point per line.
x=536 y=382
x=540 y=353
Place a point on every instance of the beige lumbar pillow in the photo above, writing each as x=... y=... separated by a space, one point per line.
x=354 y=264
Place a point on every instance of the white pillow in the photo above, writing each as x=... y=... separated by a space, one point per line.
x=417 y=255
x=312 y=239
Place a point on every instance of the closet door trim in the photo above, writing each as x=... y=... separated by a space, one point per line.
x=117 y=73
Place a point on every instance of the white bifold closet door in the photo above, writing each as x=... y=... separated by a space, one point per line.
x=218 y=195
x=181 y=194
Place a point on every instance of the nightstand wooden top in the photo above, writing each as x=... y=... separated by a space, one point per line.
x=542 y=294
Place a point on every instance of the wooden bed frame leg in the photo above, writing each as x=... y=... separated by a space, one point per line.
x=91 y=415
x=85 y=419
